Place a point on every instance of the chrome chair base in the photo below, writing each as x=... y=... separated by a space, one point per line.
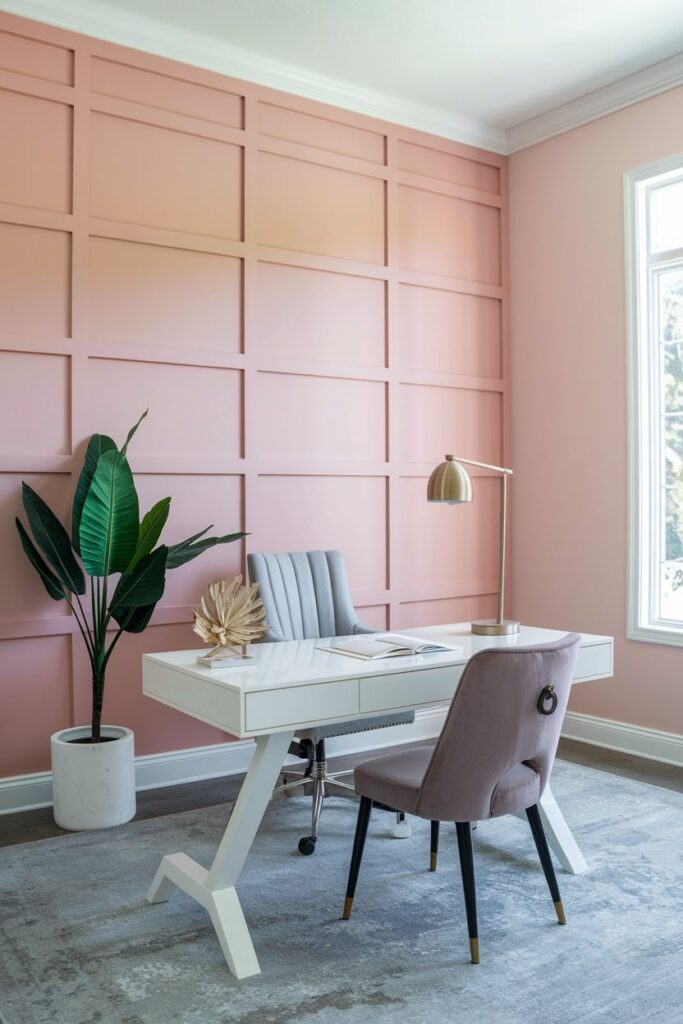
x=317 y=774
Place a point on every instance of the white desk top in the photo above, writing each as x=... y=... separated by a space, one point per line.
x=301 y=662
x=297 y=683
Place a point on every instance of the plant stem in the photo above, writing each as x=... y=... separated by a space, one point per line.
x=104 y=612
x=83 y=626
x=94 y=600
x=103 y=655
x=97 y=700
x=112 y=645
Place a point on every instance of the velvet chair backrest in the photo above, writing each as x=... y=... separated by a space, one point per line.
x=494 y=725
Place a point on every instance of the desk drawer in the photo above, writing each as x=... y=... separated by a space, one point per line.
x=296 y=705
x=594 y=662
x=408 y=689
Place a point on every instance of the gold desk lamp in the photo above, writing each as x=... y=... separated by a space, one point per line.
x=450 y=483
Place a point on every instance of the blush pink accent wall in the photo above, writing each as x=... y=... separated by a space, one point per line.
x=569 y=398
x=311 y=303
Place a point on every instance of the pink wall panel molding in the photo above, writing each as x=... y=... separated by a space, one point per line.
x=311 y=303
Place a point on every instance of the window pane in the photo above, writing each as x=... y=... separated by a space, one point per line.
x=672 y=591
x=671 y=579
x=672 y=395
x=666 y=217
x=671 y=305
x=673 y=452
x=671 y=321
x=673 y=377
x=674 y=523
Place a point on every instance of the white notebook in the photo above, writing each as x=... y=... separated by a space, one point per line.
x=385 y=645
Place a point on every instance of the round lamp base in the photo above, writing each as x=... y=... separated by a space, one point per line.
x=491 y=627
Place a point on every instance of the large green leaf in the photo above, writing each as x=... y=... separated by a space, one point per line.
x=53 y=540
x=134 y=620
x=174 y=550
x=98 y=444
x=192 y=539
x=144 y=585
x=131 y=432
x=150 y=530
x=186 y=550
x=109 y=524
x=50 y=581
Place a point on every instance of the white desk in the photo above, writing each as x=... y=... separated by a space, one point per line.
x=293 y=685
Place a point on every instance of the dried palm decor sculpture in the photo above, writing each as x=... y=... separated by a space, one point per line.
x=229 y=616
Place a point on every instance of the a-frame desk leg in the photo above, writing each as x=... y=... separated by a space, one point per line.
x=215 y=889
x=560 y=835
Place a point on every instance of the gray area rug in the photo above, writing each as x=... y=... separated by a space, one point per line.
x=79 y=944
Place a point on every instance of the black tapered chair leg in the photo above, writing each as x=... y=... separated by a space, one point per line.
x=434 y=847
x=358 y=846
x=464 y=833
x=534 y=816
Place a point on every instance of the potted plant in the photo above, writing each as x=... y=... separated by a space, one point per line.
x=93 y=766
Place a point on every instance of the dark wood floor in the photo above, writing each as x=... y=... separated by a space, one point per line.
x=27 y=826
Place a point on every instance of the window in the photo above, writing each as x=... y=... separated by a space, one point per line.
x=654 y=258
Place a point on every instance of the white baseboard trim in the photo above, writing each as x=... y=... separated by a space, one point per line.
x=654 y=744
x=155 y=771
x=25 y=792
x=172 y=768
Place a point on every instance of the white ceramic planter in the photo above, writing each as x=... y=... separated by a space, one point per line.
x=93 y=784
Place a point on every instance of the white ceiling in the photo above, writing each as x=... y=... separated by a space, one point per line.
x=498 y=61
x=485 y=64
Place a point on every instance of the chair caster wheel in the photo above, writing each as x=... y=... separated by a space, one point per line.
x=307 y=845
x=299 y=790
x=400 y=829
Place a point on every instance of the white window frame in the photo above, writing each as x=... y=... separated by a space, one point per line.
x=644 y=433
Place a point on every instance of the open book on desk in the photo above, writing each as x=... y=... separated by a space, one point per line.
x=385 y=645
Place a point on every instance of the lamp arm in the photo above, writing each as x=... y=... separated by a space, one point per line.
x=481 y=465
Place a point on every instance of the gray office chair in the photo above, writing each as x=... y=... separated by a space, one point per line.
x=306 y=596
x=493 y=757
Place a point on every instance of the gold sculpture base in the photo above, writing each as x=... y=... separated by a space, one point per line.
x=491 y=627
x=228 y=661
x=225 y=655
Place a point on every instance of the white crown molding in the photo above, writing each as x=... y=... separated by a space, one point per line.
x=667 y=74
x=153 y=36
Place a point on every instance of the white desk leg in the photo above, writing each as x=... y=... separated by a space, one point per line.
x=215 y=889
x=560 y=835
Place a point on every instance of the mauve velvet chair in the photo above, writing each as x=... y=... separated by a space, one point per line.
x=306 y=596
x=494 y=756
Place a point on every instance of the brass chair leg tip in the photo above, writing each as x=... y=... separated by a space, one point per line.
x=559 y=910
x=474 y=950
x=348 y=904
x=432 y=862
